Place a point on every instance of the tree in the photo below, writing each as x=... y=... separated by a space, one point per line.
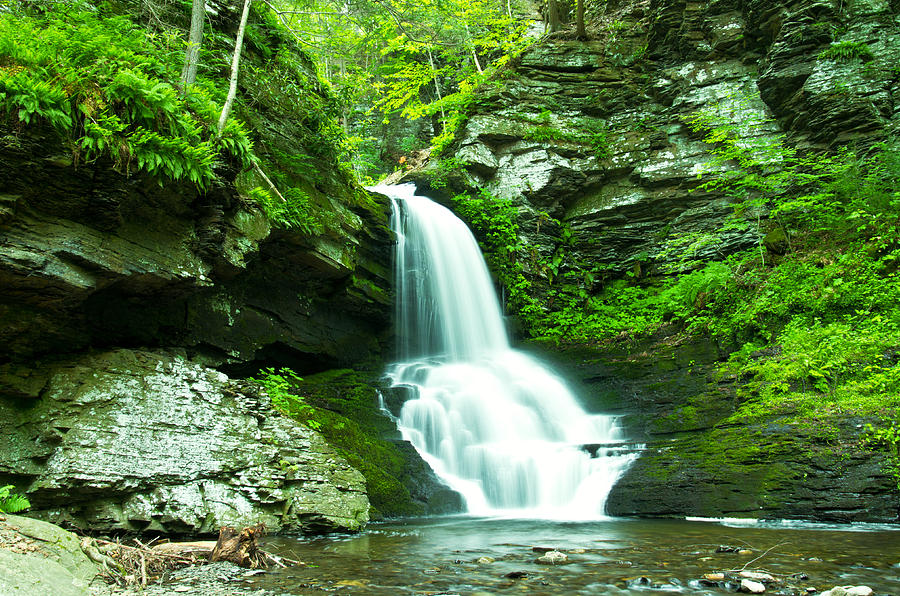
x=553 y=20
x=192 y=53
x=580 y=32
x=235 y=64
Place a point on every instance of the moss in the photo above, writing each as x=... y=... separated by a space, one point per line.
x=343 y=406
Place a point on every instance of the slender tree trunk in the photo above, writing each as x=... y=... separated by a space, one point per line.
x=437 y=83
x=192 y=54
x=580 y=32
x=345 y=109
x=553 y=16
x=472 y=46
x=235 y=63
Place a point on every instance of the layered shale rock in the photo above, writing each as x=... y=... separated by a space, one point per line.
x=594 y=134
x=91 y=258
x=141 y=441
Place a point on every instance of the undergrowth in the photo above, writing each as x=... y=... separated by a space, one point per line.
x=106 y=85
x=12 y=502
x=110 y=87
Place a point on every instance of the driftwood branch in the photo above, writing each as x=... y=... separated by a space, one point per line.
x=242 y=549
x=144 y=563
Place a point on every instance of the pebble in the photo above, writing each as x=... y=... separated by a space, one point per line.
x=748 y=585
x=553 y=557
x=727 y=548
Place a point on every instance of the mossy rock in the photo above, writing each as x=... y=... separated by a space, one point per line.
x=343 y=405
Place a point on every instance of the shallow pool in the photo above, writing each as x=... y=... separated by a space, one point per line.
x=465 y=555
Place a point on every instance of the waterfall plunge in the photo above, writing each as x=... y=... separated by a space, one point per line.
x=494 y=423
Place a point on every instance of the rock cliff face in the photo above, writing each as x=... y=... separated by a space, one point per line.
x=92 y=261
x=593 y=134
x=90 y=258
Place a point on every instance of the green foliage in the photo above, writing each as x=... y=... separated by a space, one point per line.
x=618 y=309
x=886 y=437
x=281 y=388
x=847 y=51
x=592 y=132
x=105 y=83
x=12 y=502
x=494 y=223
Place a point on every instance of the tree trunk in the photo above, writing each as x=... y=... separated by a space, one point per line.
x=580 y=32
x=240 y=548
x=235 y=63
x=472 y=46
x=553 y=16
x=192 y=54
x=437 y=84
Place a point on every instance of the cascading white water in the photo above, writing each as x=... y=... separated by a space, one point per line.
x=493 y=422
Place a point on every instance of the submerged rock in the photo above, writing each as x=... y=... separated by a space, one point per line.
x=848 y=591
x=140 y=441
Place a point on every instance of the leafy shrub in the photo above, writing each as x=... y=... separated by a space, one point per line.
x=281 y=387
x=104 y=82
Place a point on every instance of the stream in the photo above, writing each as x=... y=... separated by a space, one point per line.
x=440 y=555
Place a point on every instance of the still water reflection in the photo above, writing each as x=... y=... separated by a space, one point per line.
x=464 y=555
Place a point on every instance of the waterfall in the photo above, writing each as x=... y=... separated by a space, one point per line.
x=494 y=423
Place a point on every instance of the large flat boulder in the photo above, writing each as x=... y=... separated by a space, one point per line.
x=38 y=558
x=141 y=441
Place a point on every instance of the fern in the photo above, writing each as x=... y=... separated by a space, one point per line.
x=11 y=502
x=847 y=51
x=103 y=81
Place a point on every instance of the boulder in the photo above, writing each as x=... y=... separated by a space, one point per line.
x=147 y=441
x=37 y=557
x=553 y=557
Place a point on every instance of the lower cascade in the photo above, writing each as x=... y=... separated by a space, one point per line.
x=493 y=422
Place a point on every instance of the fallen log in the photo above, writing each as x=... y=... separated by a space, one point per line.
x=200 y=548
x=242 y=549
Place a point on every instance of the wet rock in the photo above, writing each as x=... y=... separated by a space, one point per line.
x=42 y=559
x=553 y=557
x=542 y=549
x=639 y=582
x=724 y=548
x=848 y=591
x=757 y=576
x=752 y=587
x=485 y=560
x=516 y=574
x=141 y=441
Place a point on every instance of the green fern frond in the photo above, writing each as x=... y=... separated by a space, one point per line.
x=11 y=502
